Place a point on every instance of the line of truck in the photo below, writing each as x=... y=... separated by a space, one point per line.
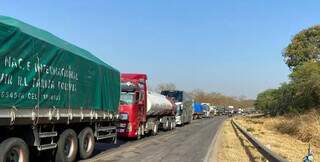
x=60 y=98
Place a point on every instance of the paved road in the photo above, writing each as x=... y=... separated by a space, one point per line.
x=188 y=144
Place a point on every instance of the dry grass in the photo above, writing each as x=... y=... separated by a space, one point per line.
x=287 y=135
x=235 y=148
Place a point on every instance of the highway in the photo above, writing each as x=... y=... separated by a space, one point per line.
x=190 y=143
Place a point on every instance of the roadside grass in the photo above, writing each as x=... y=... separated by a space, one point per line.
x=234 y=147
x=289 y=136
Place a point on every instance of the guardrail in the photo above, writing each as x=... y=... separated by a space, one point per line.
x=267 y=153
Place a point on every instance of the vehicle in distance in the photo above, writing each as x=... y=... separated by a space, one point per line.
x=197 y=110
x=54 y=96
x=183 y=103
x=207 y=110
x=142 y=111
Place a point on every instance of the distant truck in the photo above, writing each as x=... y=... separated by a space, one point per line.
x=208 y=112
x=54 y=96
x=184 y=106
x=142 y=111
x=213 y=111
x=197 y=111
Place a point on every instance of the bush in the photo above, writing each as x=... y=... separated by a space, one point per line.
x=299 y=95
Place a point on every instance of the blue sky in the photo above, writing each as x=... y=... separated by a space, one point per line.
x=230 y=46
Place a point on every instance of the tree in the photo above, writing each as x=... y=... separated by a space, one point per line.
x=278 y=101
x=304 y=47
x=219 y=99
x=306 y=80
x=266 y=100
x=303 y=91
x=166 y=86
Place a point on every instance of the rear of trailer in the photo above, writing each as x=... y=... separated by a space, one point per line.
x=184 y=105
x=197 y=110
x=53 y=95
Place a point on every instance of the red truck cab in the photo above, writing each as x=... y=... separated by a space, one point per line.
x=133 y=105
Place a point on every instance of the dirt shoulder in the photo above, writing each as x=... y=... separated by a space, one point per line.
x=233 y=146
x=287 y=136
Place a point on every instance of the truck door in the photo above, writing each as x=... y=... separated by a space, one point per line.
x=142 y=106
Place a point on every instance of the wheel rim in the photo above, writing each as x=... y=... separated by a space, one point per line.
x=15 y=154
x=69 y=147
x=87 y=143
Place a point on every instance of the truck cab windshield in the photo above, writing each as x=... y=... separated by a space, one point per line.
x=126 y=98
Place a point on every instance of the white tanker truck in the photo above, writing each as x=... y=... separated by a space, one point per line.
x=160 y=110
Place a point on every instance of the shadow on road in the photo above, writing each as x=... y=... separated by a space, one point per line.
x=101 y=146
x=48 y=156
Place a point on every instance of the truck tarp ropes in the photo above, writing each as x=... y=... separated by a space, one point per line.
x=39 y=70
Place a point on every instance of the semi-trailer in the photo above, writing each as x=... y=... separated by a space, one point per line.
x=197 y=110
x=53 y=95
x=183 y=103
x=142 y=111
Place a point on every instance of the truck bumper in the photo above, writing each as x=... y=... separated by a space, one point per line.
x=123 y=133
x=178 y=120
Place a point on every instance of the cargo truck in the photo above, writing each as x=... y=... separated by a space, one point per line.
x=184 y=105
x=197 y=110
x=142 y=111
x=53 y=96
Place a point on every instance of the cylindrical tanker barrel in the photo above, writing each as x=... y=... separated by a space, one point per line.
x=159 y=105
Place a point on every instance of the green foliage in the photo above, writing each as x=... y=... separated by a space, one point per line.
x=277 y=101
x=302 y=93
x=265 y=100
x=304 y=47
x=306 y=80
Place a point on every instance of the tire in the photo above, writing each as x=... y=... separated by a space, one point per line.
x=15 y=150
x=173 y=126
x=170 y=127
x=166 y=127
x=154 y=130
x=86 y=143
x=67 y=147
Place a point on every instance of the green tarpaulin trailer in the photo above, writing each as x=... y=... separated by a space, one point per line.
x=46 y=80
x=41 y=72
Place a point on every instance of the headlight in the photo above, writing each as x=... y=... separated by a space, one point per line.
x=123 y=116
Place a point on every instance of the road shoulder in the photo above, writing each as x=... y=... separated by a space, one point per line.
x=212 y=153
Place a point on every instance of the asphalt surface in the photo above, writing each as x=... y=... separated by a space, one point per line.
x=189 y=143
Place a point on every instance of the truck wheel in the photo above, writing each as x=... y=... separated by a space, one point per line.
x=167 y=125
x=172 y=125
x=86 y=143
x=14 y=150
x=155 y=130
x=67 y=147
